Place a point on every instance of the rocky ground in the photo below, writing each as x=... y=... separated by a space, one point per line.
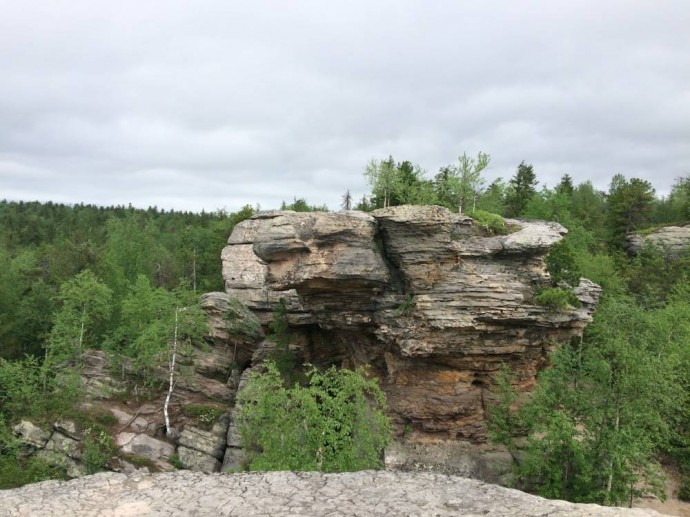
x=274 y=494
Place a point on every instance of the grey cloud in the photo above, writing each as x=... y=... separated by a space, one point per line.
x=217 y=104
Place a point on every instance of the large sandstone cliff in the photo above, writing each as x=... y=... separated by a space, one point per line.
x=431 y=300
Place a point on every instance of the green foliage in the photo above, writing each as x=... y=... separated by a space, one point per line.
x=652 y=275
x=561 y=265
x=396 y=184
x=602 y=411
x=43 y=245
x=493 y=198
x=284 y=359
x=148 y=324
x=522 y=188
x=16 y=472
x=629 y=205
x=21 y=387
x=406 y=307
x=80 y=323
x=176 y=462
x=300 y=205
x=15 y=468
x=684 y=489
x=336 y=423
x=492 y=223
x=206 y=416
x=503 y=423
x=98 y=447
x=458 y=186
x=556 y=298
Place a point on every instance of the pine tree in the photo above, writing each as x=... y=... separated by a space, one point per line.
x=522 y=188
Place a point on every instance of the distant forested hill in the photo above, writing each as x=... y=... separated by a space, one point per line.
x=42 y=245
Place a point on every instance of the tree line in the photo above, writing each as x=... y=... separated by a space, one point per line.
x=45 y=245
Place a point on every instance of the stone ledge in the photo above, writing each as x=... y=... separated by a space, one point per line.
x=285 y=493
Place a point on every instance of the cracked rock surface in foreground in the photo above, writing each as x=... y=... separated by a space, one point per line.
x=367 y=493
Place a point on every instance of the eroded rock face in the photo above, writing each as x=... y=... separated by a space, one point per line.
x=672 y=240
x=285 y=493
x=428 y=298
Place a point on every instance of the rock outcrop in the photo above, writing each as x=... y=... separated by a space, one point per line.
x=672 y=240
x=131 y=413
x=430 y=300
x=285 y=493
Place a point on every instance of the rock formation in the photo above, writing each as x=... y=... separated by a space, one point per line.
x=285 y=493
x=430 y=300
x=672 y=240
x=207 y=381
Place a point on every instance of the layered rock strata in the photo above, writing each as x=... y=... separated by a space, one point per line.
x=430 y=300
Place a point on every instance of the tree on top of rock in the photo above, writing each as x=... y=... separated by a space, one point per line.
x=459 y=185
x=522 y=189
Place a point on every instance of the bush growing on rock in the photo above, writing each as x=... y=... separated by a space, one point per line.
x=335 y=424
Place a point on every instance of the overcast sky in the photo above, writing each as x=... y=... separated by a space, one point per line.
x=219 y=103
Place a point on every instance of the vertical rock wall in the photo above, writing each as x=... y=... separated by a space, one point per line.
x=432 y=301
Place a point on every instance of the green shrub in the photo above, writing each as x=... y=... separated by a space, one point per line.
x=138 y=461
x=556 y=298
x=175 y=461
x=335 y=424
x=16 y=472
x=406 y=307
x=284 y=358
x=684 y=489
x=561 y=265
x=206 y=416
x=98 y=447
x=493 y=223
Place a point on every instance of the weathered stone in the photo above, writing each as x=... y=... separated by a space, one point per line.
x=451 y=457
x=245 y=273
x=671 y=240
x=124 y=466
x=60 y=443
x=197 y=460
x=428 y=298
x=211 y=444
x=144 y=445
x=31 y=434
x=73 y=468
x=280 y=494
x=233 y=460
x=234 y=332
x=68 y=428
x=130 y=422
x=95 y=376
x=233 y=438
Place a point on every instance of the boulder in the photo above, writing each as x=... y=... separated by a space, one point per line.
x=73 y=468
x=132 y=422
x=64 y=444
x=144 y=445
x=209 y=442
x=672 y=240
x=197 y=461
x=31 y=434
x=234 y=459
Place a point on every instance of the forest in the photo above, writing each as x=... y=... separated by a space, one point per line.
x=612 y=409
